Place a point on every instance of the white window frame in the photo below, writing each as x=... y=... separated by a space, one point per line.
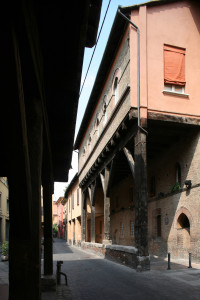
x=171 y=89
x=132 y=232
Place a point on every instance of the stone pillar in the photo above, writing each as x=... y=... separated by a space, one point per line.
x=83 y=217
x=141 y=207
x=92 y=224
x=48 y=237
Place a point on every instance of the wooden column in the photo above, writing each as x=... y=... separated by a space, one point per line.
x=91 y=191
x=141 y=215
x=104 y=181
x=25 y=203
x=48 y=238
x=83 y=217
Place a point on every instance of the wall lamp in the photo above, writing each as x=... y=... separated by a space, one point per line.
x=188 y=184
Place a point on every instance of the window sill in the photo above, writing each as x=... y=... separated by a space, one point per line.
x=176 y=94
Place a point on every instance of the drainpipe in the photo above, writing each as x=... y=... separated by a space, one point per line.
x=138 y=67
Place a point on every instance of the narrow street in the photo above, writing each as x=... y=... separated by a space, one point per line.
x=92 y=277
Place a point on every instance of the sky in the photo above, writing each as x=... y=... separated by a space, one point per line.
x=59 y=188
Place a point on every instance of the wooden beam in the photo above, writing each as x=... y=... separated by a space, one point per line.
x=130 y=160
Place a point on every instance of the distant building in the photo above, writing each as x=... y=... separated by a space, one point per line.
x=55 y=213
x=60 y=217
x=4 y=210
x=72 y=206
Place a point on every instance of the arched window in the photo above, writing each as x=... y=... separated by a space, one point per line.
x=89 y=143
x=183 y=222
x=105 y=110
x=178 y=173
x=116 y=90
x=97 y=126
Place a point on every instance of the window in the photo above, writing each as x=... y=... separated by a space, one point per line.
x=77 y=197
x=132 y=228
x=158 y=219
x=97 y=125
x=104 y=110
x=7 y=205
x=89 y=143
x=178 y=173
x=7 y=230
x=116 y=90
x=72 y=201
x=121 y=229
x=174 y=69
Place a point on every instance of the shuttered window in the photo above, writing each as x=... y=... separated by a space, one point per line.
x=77 y=197
x=174 y=65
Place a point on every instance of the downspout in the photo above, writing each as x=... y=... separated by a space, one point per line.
x=138 y=68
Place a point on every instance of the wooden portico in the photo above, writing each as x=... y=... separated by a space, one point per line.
x=41 y=64
x=130 y=152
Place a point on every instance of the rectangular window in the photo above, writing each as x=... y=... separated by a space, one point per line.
x=77 y=197
x=174 y=65
x=158 y=219
x=121 y=229
x=132 y=228
x=72 y=201
x=7 y=205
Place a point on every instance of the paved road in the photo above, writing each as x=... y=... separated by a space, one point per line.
x=92 y=277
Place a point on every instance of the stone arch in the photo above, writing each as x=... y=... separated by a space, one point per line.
x=186 y=212
x=183 y=228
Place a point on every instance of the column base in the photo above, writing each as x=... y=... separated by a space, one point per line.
x=143 y=263
x=107 y=242
x=48 y=283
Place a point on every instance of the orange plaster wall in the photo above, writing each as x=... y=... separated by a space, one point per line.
x=174 y=24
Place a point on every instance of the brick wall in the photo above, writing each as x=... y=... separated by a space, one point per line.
x=121 y=65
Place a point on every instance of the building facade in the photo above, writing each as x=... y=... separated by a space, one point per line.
x=138 y=143
x=4 y=210
x=60 y=217
x=72 y=206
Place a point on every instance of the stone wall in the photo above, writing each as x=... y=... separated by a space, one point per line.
x=125 y=255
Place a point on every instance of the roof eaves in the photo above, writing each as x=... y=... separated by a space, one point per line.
x=74 y=179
